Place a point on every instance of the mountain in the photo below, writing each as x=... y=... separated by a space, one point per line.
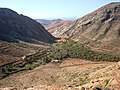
x=20 y=36
x=100 y=28
x=15 y=27
x=45 y=22
x=58 y=27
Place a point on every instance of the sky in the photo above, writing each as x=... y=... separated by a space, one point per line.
x=54 y=9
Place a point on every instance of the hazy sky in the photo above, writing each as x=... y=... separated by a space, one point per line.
x=44 y=9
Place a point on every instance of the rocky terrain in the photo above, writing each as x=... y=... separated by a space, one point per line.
x=100 y=28
x=58 y=27
x=45 y=22
x=71 y=74
x=15 y=28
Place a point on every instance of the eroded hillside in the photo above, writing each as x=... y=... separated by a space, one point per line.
x=100 y=29
x=59 y=27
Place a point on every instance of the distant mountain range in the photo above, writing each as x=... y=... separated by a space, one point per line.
x=45 y=22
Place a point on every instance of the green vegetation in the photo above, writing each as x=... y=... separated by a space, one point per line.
x=71 y=49
x=59 y=51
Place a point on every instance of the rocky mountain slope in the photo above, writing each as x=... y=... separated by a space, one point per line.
x=45 y=22
x=15 y=27
x=58 y=27
x=100 y=28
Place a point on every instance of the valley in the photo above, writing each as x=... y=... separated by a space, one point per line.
x=40 y=54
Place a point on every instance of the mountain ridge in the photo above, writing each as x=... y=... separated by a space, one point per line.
x=15 y=27
x=100 y=28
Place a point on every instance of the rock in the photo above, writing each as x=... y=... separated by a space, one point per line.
x=97 y=88
x=30 y=88
x=80 y=88
x=118 y=65
x=8 y=88
x=113 y=82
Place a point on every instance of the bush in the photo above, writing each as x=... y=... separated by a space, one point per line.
x=75 y=50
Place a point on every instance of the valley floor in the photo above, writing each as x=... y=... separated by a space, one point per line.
x=71 y=74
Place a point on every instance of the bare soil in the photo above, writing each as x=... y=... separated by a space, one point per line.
x=71 y=73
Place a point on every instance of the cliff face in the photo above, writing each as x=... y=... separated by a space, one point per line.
x=101 y=27
x=15 y=27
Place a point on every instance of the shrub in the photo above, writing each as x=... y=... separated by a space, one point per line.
x=75 y=50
